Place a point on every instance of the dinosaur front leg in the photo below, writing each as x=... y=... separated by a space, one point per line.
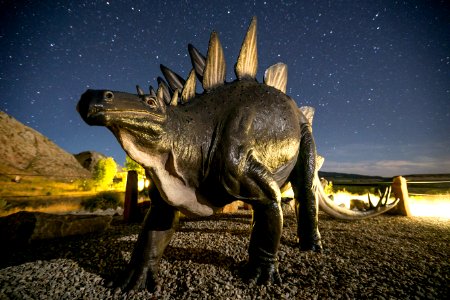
x=262 y=266
x=155 y=235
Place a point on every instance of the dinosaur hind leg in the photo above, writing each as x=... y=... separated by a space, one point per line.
x=251 y=181
x=306 y=205
x=267 y=225
x=245 y=177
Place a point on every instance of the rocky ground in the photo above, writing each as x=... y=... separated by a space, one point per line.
x=385 y=257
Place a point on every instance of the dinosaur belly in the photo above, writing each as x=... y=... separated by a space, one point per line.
x=176 y=193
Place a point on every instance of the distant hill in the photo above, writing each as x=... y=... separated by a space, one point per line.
x=25 y=151
x=352 y=178
x=427 y=177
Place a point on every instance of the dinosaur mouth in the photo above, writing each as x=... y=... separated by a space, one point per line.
x=94 y=111
x=135 y=115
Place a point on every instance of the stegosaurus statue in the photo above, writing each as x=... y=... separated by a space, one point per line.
x=240 y=140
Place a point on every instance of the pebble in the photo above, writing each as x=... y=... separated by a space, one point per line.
x=201 y=262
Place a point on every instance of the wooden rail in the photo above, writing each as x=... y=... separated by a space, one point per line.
x=399 y=188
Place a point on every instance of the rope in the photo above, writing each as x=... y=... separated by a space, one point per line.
x=428 y=195
x=388 y=182
x=427 y=182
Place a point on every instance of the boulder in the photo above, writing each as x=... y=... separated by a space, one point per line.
x=88 y=159
x=24 y=227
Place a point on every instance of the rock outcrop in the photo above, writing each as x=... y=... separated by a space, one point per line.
x=88 y=159
x=24 y=151
x=24 y=227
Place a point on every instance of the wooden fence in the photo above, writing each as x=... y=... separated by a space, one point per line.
x=399 y=188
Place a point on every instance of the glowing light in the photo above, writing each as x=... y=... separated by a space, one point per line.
x=430 y=206
x=143 y=183
x=343 y=198
x=289 y=193
x=420 y=206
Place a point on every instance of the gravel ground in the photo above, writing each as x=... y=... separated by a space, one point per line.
x=385 y=257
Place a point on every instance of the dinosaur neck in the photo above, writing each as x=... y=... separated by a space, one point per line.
x=189 y=133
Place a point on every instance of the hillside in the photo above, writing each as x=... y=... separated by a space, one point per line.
x=351 y=178
x=24 y=151
x=427 y=177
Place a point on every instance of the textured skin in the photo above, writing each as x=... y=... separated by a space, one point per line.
x=243 y=140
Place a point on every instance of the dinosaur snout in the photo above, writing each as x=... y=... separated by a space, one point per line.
x=91 y=104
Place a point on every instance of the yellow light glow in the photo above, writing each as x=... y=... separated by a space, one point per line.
x=141 y=184
x=289 y=193
x=343 y=198
x=420 y=206
x=430 y=206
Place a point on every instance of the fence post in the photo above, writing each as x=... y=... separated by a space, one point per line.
x=131 y=197
x=400 y=189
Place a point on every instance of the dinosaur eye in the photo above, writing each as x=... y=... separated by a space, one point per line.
x=151 y=102
x=108 y=95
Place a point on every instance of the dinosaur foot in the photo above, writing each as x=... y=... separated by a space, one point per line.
x=261 y=273
x=314 y=245
x=134 y=278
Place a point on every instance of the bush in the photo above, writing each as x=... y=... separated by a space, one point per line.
x=329 y=188
x=85 y=184
x=104 y=172
x=103 y=200
x=4 y=205
x=130 y=165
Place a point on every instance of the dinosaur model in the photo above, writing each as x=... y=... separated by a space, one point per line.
x=240 y=140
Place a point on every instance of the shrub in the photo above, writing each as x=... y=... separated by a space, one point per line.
x=4 y=205
x=329 y=188
x=85 y=184
x=103 y=200
x=130 y=165
x=104 y=171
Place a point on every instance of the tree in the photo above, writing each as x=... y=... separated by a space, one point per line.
x=130 y=165
x=104 y=171
x=143 y=181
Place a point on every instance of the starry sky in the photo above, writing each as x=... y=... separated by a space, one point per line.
x=376 y=71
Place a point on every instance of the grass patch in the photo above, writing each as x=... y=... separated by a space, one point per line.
x=55 y=208
x=36 y=186
x=103 y=200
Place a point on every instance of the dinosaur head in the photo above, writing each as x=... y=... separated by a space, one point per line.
x=123 y=111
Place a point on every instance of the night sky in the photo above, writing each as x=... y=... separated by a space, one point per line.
x=377 y=72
